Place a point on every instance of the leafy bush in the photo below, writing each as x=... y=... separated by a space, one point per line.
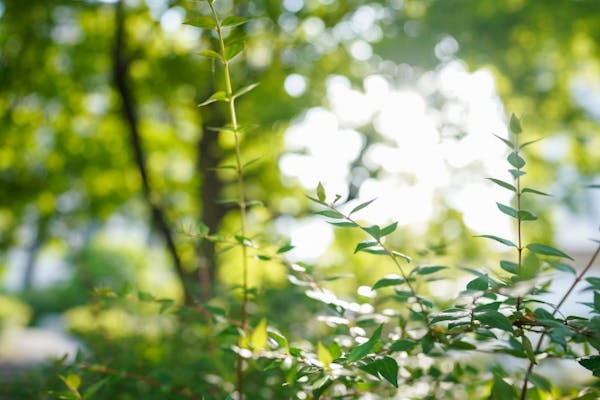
x=396 y=339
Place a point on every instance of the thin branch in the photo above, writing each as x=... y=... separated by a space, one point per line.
x=120 y=76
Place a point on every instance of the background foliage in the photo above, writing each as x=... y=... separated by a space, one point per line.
x=112 y=179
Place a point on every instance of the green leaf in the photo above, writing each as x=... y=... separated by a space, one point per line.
x=202 y=21
x=498 y=239
x=388 y=229
x=320 y=192
x=362 y=350
x=330 y=214
x=563 y=267
x=509 y=266
x=592 y=363
x=279 y=338
x=480 y=283
x=73 y=381
x=363 y=245
x=516 y=160
x=505 y=185
x=514 y=124
x=528 y=349
x=211 y=54
x=540 y=382
x=506 y=141
x=344 y=224
x=529 y=190
x=389 y=280
x=285 y=248
x=401 y=255
x=516 y=173
x=403 y=345
x=593 y=186
x=526 y=215
x=92 y=389
x=234 y=49
x=234 y=20
x=321 y=387
x=258 y=338
x=528 y=143
x=323 y=355
x=218 y=96
x=361 y=206
x=502 y=390
x=428 y=269
x=387 y=367
x=494 y=319
x=166 y=304
x=511 y=212
x=244 y=90
x=373 y=230
x=145 y=296
x=546 y=250
x=427 y=343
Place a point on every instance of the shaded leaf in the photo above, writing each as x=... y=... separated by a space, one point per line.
x=511 y=212
x=509 y=266
x=344 y=224
x=515 y=124
x=494 y=319
x=218 y=96
x=389 y=280
x=388 y=369
x=516 y=173
x=361 y=206
x=401 y=255
x=388 y=229
x=285 y=248
x=428 y=269
x=362 y=350
x=530 y=142
x=234 y=20
x=480 y=283
x=498 y=239
x=403 y=345
x=525 y=215
x=202 y=21
x=211 y=54
x=506 y=141
x=540 y=382
x=529 y=190
x=502 y=390
x=516 y=160
x=546 y=250
x=244 y=90
x=591 y=363
x=330 y=214
x=505 y=185
x=363 y=245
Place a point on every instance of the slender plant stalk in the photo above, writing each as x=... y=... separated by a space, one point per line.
x=560 y=303
x=519 y=222
x=241 y=194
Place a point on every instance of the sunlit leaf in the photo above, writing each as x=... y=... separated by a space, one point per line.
x=73 y=381
x=258 y=338
x=285 y=248
x=211 y=54
x=145 y=296
x=363 y=245
x=362 y=350
x=389 y=280
x=244 y=90
x=403 y=345
x=234 y=20
x=502 y=390
x=344 y=224
x=218 y=96
x=494 y=319
x=401 y=255
x=323 y=355
x=320 y=192
x=202 y=21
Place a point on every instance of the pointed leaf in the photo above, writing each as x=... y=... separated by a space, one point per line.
x=323 y=355
x=546 y=250
x=202 y=21
x=495 y=320
x=428 y=269
x=285 y=248
x=344 y=224
x=502 y=390
x=480 y=283
x=503 y=184
x=530 y=142
x=514 y=124
x=403 y=345
x=540 y=382
x=361 y=206
x=234 y=20
x=218 y=96
x=244 y=90
x=498 y=239
x=363 y=245
x=508 y=210
x=373 y=230
x=509 y=266
x=234 y=49
x=320 y=192
x=506 y=141
x=526 y=215
x=258 y=338
x=211 y=54
x=529 y=190
x=591 y=363
x=389 y=280
x=388 y=369
x=330 y=214
x=388 y=229
x=402 y=255
x=516 y=173
x=362 y=350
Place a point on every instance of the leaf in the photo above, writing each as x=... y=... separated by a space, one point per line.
x=427 y=343
x=494 y=319
x=509 y=266
x=540 y=382
x=516 y=173
x=530 y=142
x=217 y=96
x=526 y=215
x=388 y=229
x=323 y=355
x=403 y=345
x=92 y=389
x=505 y=185
x=285 y=248
x=363 y=245
x=428 y=269
x=528 y=349
x=515 y=124
x=563 y=267
x=373 y=230
x=516 y=160
x=362 y=350
x=546 y=250
x=506 y=141
x=330 y=214
x=387 y=367
x=389 y=280
x=401 y=255
x=529 y=190
x=234 y=49
x=211 y=54
x=320 y=192
x=511 y=212
x=593 y=186
x=244 y=90
x=166 y=304
x=480 y=283
x=234 y=20
x=592 y=363
x=72 y=381
x=361 y=206
x=145 y=296
x=258 y=338
x=344 y=224
x=202 y=21
x=502 y=390
x=498 y=239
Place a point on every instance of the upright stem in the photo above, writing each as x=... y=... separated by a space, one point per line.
x=241 y=194
x=519 y=222
x=560 y=303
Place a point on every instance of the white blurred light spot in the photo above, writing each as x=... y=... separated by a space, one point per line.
x=361 y=50
x=293 y=5
x=295 y=85
x=171 y=20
